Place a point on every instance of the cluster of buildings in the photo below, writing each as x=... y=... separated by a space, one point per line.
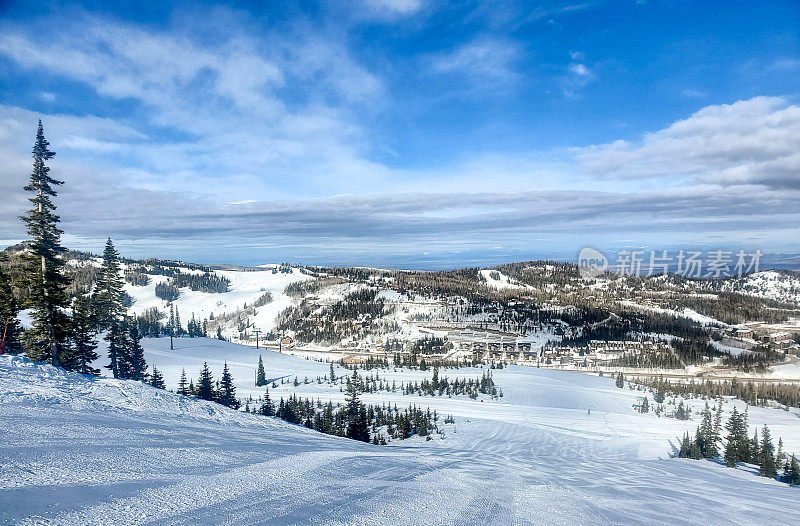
x=598 y=352
x=782 y=337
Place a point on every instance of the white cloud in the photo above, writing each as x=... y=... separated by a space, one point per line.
x=753 y=141
x=394 y=7
x=483 y=60
x=579 y=69
x=268 y=123
x=225 y=107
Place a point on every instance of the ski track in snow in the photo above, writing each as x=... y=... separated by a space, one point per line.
x=77 y=450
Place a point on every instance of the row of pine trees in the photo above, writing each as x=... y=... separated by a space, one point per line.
x=65 y=328
x=739 y=447
x=222 y=391
x=354 y=420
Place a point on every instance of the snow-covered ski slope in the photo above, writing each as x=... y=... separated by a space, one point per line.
x=78 y=450
x=246 y=286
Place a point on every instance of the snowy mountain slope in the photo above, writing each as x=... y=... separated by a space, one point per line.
x=77 y=450
x=497 y=280
x=770 y=284
x=246 y=286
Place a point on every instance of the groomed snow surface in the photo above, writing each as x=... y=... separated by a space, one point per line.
x=80 y=450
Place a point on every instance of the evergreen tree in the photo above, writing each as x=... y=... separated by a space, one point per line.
x=691 y=448
x=84 y=342
x=183 y=389
x=780 y=455
x=660 y=394
x=754 y=449
x=45 y=277
x=737 y=449
x=767 y=466
x=791 y=472
x=10 y=329
x=681 y=413
x=746 y=453
x=108 y=300
x=267 y=408
x=286 y=411
x=157 y=379
x=178 y=327
x=620 y=382
x=118 y=345
x=227 y=391
x=261 y=377
x=357 y=426
x=133 y=365
x=111 y=312
x=705 y=435
x=716 y=430
x=205 y=385
x=333 y=374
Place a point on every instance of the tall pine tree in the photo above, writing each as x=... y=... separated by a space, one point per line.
x=267 y=408
x=111 y=311
x=357 y=426
x=132 y=362
x=227 y=391
x=767 y=465
x=84 y=342
x=261 y=377
x=49 y=336
x=737 y=449
x=205 y=385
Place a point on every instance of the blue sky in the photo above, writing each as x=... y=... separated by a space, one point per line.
x=406 y=133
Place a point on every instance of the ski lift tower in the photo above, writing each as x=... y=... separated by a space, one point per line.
x=257 y=331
